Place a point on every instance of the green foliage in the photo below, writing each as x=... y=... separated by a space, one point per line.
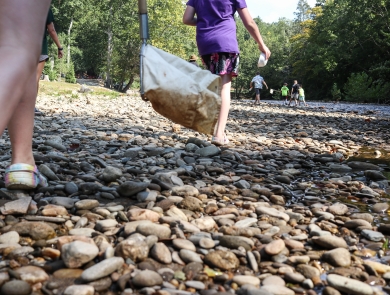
x=361 y=87
x=52 y=75
x=70 y=77
x=321 y=47
x=336 y=92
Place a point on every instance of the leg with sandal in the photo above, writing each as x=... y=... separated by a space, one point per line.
x=21 y=23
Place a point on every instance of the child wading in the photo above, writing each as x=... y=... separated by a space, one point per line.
x=301 y=97
x=217 y=44
x=285 y=93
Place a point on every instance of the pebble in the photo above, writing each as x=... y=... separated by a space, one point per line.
x=102 y=269
x=147 y=278
x=79 y=290
x=347 y=285
x=16 y=287
x=77 y=253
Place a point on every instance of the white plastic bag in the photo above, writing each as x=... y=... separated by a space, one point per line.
x=185 y=94
x=262 y=61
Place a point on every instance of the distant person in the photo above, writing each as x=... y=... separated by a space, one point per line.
x=301 y=97
x=193 y=59
x=258 y=82
x=285 y=93
x=294 y=93
x=216 y=38
x=49 y=28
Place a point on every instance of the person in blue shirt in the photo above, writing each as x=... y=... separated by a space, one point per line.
x=257 y=82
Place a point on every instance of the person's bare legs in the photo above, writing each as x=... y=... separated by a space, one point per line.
x=21 y=32
x=40 y=67
x=219 y=133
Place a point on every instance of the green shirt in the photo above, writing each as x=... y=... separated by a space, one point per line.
x=301 y=92
x=49 y=20
x=284 y=90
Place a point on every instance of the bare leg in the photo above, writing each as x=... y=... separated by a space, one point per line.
x=40 y=67
x=219 y=133
x=21 y=31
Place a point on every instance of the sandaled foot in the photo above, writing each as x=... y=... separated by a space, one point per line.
x=219 y=142
x=24 y=177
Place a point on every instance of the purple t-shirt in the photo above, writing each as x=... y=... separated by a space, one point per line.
x=216 y=28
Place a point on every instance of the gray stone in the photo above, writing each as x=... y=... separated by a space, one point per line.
x=102 y=269
x=68 y=203
x=161 y=253
x=11 y=237
x=330 y=242
x=350 y=286
x=160 y=231
x=233 y=242
x=71 y=188
x=208 y=151
x=338 y=257
x=147 y=196
x=79 y=290
x=190 y=256
x=111 y=174
x=77 y=253
x=380 y=207
x=372 y=235
x=16 y=287
x=363 y=166
x=147 y=278
x=16 y=207
x=130 y=188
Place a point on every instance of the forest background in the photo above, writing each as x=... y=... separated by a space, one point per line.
x=338 y=50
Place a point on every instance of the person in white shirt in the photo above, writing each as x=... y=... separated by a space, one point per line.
x=258 y=82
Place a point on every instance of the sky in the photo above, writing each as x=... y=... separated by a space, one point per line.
x=271 y=10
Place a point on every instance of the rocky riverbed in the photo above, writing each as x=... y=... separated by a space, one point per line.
x=139 y=205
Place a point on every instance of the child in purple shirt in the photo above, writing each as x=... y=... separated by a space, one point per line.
x=217 y=44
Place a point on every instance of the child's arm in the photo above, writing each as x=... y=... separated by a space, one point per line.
x=189 y=16
x=253 y=30
x=265 y=84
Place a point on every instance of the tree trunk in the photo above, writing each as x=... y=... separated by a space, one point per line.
x=70 y=28
x=128 y=84
x=110 y=46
